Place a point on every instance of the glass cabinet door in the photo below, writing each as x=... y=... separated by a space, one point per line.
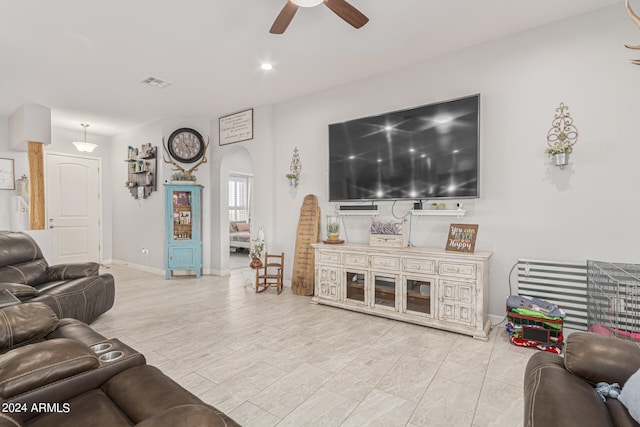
x=419 y=295
x=356 y=286
x=182 y=215
x=385 y=291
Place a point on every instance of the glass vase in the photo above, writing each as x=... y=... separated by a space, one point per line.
x=333 y=227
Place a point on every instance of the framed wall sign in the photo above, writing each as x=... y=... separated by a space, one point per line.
x=7 y=177
x=236 y=127
x=462 y=237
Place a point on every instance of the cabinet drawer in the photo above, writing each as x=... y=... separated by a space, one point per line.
x=418 y=265
x=385 y=262
x=329 y=257
x=355 y=260
x=455 y=269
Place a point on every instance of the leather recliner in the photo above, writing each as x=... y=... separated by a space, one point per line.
x=561 y=391
x=71 y=290
x=63 y=373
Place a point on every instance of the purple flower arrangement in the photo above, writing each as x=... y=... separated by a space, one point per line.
x=383 y=227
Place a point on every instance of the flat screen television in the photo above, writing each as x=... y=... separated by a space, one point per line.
x=423 y=153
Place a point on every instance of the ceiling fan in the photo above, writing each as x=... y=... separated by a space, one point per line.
x=340 y=7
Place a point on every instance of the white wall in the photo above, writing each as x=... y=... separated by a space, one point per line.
x=528 y=208
x=139 y=223
x=261 y=152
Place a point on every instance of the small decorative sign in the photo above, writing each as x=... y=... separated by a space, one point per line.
x=7 y=177
x=236 y=127
x=462 y=237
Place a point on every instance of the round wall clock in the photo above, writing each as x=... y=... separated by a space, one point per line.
x=186 y=145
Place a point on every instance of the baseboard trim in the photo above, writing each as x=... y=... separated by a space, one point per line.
x=495 y=320
x=221 y=273
x=138 y=267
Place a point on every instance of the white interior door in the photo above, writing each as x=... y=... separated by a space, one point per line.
x=73 y=207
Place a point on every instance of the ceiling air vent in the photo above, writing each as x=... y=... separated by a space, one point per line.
x=154 y=82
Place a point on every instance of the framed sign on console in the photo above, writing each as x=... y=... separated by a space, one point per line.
x=462 y=237
x=236 y=127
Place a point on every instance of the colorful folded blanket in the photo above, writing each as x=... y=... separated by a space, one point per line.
x=535 y=304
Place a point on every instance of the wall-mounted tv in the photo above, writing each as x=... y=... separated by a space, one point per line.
x=428 y=152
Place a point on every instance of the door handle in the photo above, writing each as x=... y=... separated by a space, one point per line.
x=52 y=226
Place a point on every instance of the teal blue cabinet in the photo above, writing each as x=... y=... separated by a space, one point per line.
x=183 y=217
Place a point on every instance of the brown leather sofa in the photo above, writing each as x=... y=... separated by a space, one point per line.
x=71 y=290
x=561 y=391
x=62 y=373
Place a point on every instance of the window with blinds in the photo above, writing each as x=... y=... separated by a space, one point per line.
x=238 y=194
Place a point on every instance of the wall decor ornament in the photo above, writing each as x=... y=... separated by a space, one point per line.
x=236 y=127
x=141 y=171
x=182 y=174
x=561 y=137
x=635 y=18
x=295 y=168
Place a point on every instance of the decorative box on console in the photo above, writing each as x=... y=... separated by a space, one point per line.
x=389 y=234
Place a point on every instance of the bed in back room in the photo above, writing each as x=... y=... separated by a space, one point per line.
x=239 y=235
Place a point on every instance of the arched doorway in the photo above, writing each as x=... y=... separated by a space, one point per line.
x=236 y=195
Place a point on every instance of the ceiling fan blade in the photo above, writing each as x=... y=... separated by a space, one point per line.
x=347 y=12
x=284 y=18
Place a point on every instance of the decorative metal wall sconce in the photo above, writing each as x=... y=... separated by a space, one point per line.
x=561 y=137
x=635 y=18
x=294 y=169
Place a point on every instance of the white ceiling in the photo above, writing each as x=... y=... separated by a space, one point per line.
x=85 y=59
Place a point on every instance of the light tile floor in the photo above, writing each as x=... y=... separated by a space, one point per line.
x=270 y=360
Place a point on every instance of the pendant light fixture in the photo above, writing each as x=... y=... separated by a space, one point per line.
x=84 y=146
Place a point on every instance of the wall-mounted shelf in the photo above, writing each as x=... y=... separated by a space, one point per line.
x=357 y=213
x=439 y=212
x=141 y=171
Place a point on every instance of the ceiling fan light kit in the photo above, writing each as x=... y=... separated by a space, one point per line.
x=342 y=8
x=307 y=3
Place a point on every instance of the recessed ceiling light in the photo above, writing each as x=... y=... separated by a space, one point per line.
x=266 y=66
x=154 y=82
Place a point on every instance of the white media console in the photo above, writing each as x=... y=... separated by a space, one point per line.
x=430 y=287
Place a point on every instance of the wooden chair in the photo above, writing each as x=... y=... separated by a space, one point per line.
x=271 y=273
